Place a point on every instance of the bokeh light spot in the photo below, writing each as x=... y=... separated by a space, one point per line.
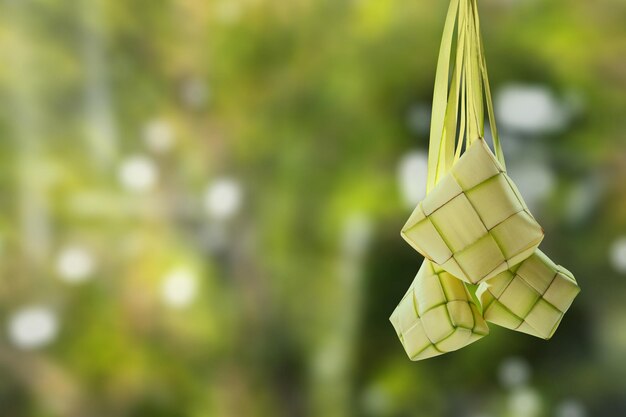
x=412 y=173
x=223 y=198
x=618 y=254
x=179 y=288
x=75 y=264
x=32 y=327
x=138 y=173
x=158 y=136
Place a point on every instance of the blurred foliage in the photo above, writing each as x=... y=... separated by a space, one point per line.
x=306 y=104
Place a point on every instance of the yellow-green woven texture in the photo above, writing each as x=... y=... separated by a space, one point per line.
x=531 y=298
x=474 y=223
x=437 y=315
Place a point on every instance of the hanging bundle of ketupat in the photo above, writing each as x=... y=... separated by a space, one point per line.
x=473 y=227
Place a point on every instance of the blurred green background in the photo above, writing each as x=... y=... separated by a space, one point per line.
x=201 y=204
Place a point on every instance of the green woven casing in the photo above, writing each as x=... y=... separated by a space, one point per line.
x=532 y=297
x=436 y=315
x=474 y=223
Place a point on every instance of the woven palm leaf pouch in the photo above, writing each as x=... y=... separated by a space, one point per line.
x=473 y=227
x=531 y=297
x=437 y=315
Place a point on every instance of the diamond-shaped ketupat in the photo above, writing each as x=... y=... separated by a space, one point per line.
x=437 y=315
x=532 y=297
x=474 y=223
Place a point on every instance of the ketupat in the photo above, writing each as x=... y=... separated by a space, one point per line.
x=474 y=223
x=531 y=298
x=437 y=315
